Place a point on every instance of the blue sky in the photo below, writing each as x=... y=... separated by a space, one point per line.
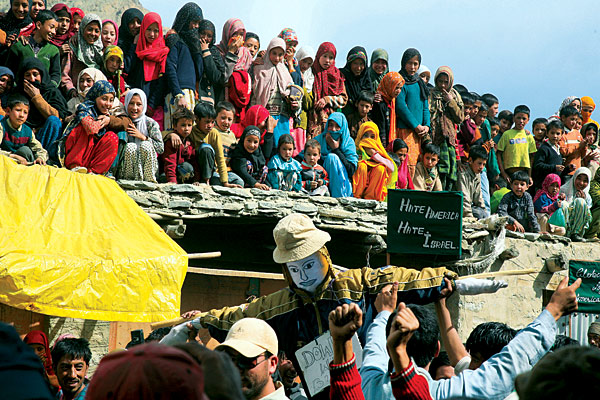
x=525 y=52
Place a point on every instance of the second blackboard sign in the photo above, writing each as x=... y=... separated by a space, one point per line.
x=422 y=222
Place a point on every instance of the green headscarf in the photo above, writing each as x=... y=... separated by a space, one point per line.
x=378 y=54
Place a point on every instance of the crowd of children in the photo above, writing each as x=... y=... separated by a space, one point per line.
x=134 y=102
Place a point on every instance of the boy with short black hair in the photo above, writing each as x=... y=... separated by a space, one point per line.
x=548 y=159
x=225 y=114
x=180 y=162
x=495 y=129
x=364 y=104
x=516 y=147
x=207 y=143
x=539 y=126
x=426 y=175
x=17 y=140
x=38 y=46
x=469 y=183
x=492 y=103
x=314 y=176
x=506 y=121
x=572 y=146
x=518 y=205
x=467 y=134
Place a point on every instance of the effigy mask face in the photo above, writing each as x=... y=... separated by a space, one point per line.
x=309 y=272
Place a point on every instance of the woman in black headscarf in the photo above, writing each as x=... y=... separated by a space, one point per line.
x=357 y=78
x=212 y=84
x=184 y=66
x=131 y=21
x=47 y=106
x=412 y=108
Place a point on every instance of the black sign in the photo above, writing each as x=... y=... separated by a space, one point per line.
x=422 y=222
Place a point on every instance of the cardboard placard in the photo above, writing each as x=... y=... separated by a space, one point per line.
x=588 y=294
x=314 y=359
x=422 y=222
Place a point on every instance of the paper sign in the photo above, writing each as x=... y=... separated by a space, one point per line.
x=314 y=359
x=422 y=222
x=588 y=294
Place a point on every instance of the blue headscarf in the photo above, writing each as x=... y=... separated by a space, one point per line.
x=6 y=71
x=346 y=143
x=88 y=107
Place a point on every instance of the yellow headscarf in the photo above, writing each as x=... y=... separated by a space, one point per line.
x=375 y=144
x=587 y=116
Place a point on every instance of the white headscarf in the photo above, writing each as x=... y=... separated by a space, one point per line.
x=89 y=54
x=267 y=77
x=140 y=123
x=569 y=188
x=308 y=77
x=93 y=73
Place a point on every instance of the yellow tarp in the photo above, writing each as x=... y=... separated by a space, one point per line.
x=75 y=245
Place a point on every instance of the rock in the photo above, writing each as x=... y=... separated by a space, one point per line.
x=324 y=200
x=208 y=205
x=138 y=185
x=184 y=188
x=251 y=205
x=372 y=218
x=157 y=199
x=276 y=205
x=234 y=207
x=358 y=203
x=232 y=191
x=558 y=262
x=298 y=195
x=516 y=235
x=532 y=237
x=141 y=200
x=179 y=203
x=508 y=254
x=305 y=208
x=335 y=213
x=268 y=193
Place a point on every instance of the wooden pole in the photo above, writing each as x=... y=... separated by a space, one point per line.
x=500 y=273
x=180 y=320
x=203 y=256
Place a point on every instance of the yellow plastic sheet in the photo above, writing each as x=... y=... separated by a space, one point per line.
x=75 y=245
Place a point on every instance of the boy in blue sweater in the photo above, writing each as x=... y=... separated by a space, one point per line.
x=16 y=138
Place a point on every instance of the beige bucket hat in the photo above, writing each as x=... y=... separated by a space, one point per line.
x=297 y=237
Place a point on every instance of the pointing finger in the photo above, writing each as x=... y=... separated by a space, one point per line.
x=563 y=284
x=576 y=284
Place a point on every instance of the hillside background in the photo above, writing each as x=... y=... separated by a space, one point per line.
x=111 y=9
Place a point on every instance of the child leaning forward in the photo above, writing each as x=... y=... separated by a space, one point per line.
x=376 y=169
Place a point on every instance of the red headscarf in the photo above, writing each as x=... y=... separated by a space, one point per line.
x=75 y=11
x=59 y=40
x=254 y=116
x=549 y=180
x=39 y=337
x=330 y=81
x=116 y=29
x=153 y=56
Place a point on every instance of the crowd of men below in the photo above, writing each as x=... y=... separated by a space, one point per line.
x=401 y=360
x=131 y=102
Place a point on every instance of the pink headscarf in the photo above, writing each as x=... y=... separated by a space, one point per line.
x=116 y=29
x=232 y=26
x=549 y=180
x=268 y=77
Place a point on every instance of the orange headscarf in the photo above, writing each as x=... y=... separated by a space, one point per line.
x=386 y=89
x=153 y=55
x=362 y=144
x=587 y=115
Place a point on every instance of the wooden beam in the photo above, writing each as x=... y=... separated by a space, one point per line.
x=237 y=274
